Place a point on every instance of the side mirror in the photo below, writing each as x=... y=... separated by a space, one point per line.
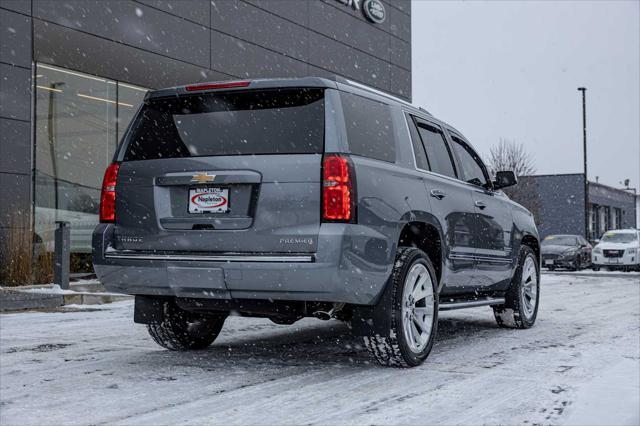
x=504 y=179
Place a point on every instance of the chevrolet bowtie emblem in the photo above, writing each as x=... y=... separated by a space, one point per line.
x=203 y=177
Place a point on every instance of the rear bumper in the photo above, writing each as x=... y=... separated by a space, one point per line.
x=347 y=267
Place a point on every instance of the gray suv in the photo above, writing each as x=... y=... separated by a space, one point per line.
x=292 y=198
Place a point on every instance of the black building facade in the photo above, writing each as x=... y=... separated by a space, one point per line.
x=73 y=72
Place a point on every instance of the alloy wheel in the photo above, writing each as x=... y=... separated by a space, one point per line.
x=417 y=307
x=529 y=287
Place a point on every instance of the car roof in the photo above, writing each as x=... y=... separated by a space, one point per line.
x=334 y=82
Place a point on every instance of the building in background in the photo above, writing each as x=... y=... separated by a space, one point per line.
x=637 y=209
x=73 y=73
x=557 y=201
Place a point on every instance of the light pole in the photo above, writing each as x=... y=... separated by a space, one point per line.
x=584 y=150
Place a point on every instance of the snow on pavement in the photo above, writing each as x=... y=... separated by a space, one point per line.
x=580 y=363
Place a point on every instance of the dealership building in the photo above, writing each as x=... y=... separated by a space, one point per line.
x=557 y=201
x=73 y=73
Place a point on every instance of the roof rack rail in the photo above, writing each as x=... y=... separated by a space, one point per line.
x=359 y=85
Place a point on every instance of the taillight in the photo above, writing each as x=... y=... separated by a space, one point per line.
x=108 y=195
x=211 y=86
x=338 y=189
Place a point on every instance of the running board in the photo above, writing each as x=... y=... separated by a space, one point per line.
x=471 y=304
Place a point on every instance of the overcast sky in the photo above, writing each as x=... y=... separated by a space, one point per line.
x=511 y=69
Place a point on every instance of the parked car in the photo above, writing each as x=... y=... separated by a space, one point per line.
x=566 y=251
x=292 y=198
x=618 y=250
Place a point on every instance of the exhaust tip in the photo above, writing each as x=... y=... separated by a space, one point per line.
x=325 y=316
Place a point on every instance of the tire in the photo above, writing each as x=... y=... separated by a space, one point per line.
x=595 y=268
x=182 y=330
x=578 y=264
x=414 y=291
x=521 y=300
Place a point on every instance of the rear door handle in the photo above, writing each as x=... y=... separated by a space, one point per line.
x=480 y=204
x=437 y=193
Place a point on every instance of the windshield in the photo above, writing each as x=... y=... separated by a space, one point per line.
x=560 y=240
x=619 y=237
x=289 y=121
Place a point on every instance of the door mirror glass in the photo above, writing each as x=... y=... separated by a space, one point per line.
x=505 y=179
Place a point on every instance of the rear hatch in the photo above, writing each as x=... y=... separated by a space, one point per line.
x=237 y=171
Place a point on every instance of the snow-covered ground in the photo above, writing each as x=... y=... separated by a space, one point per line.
x=580 y=364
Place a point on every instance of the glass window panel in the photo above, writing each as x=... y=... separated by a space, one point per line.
x=242 y=123
x=437 y=151
x=472 y=171
x=369 y=127
x=76 y=136
x=129 y=99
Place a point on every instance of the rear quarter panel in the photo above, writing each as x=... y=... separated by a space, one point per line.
x=387 y=194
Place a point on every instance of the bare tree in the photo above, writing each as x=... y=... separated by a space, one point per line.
x=510 y=155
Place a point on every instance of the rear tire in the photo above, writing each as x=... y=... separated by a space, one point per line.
x=521 y=300
x=182 y=330
x=414 y=312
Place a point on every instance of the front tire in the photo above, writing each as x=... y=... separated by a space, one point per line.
x=521 y=300
x=414 y=312
x=182 y=330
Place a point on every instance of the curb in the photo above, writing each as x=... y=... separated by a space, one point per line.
x=48 y=296
x=11 y=300
x=88 y=298
x=593 y=274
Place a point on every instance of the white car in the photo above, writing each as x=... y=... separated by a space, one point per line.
x=619 y=249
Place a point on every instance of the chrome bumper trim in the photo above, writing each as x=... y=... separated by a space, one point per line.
x=208 y=258
x=477 y=258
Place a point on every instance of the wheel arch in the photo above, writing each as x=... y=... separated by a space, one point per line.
x=423 y=231
x=533 y=243
x=419 y=229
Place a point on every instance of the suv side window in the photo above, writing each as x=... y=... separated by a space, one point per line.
x=369 y=127
x=472 y=171
x=436 y=148
x=418 y=150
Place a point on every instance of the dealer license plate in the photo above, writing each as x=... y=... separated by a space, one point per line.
x=208 y=200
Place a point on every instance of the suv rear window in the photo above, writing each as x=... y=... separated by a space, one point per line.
x=369 y=127
x=283 y=121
